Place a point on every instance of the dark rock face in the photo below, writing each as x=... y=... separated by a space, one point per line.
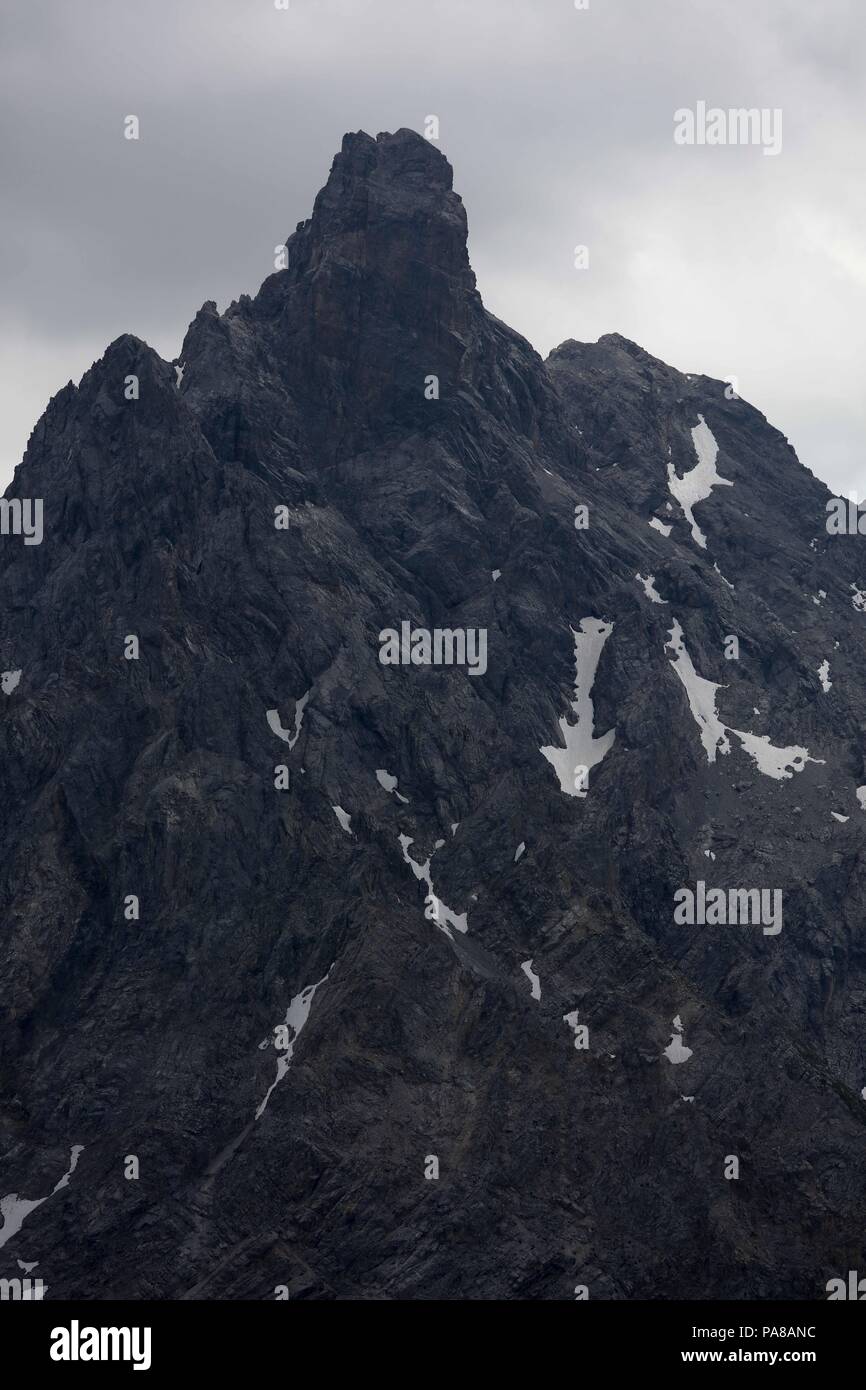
x=564 y=1158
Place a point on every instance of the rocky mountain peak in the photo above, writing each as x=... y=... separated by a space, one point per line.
x=237 y=808
x=388 y=205
x=376 y=294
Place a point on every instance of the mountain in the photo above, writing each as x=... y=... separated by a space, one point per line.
x=274 y=1020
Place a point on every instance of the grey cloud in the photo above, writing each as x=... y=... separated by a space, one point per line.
x=559 y=127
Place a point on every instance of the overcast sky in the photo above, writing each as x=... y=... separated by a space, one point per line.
x=559 y=124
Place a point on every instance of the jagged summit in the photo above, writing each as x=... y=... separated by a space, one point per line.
x=614 y=351
x=401 y=156
x=384 y=198
x=387 y=209
x=224 y=815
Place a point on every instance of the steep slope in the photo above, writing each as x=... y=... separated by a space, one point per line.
x=432 y=948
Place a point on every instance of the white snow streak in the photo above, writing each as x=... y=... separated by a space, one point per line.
x=434 y=909
x=582 y=749
x=15 y=1209
x=296 y=1017
x=701 y=696
x=774 y=762
x=389 y=784
x=649 y=588
x=676 y=1050
x=696 y=485
x=275 y=725
x=534 y=981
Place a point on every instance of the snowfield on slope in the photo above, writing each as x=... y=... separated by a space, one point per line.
x=296 y=1017
x=696 y=485
x=582 y=749
x=15 y=1209
x=434 y=910
x=771 y=760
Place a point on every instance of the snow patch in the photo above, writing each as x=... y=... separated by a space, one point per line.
x=520 y=848
x=696 y=485
x=296 y=1017
x=534 y=981
x=434 y=909
x=9 y=680
x=344 y=818
x=582 y=749
x=778 y=763
x=838 y=817
x=701 y=696
x=774 y=762
x=649 y=588
x=389 y=784
x=660 y=526
x=15 y=1210
x=275 y=724
x=676 y=1050
x=824 y=676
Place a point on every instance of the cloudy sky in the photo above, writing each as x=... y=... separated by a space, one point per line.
x=559 y=124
